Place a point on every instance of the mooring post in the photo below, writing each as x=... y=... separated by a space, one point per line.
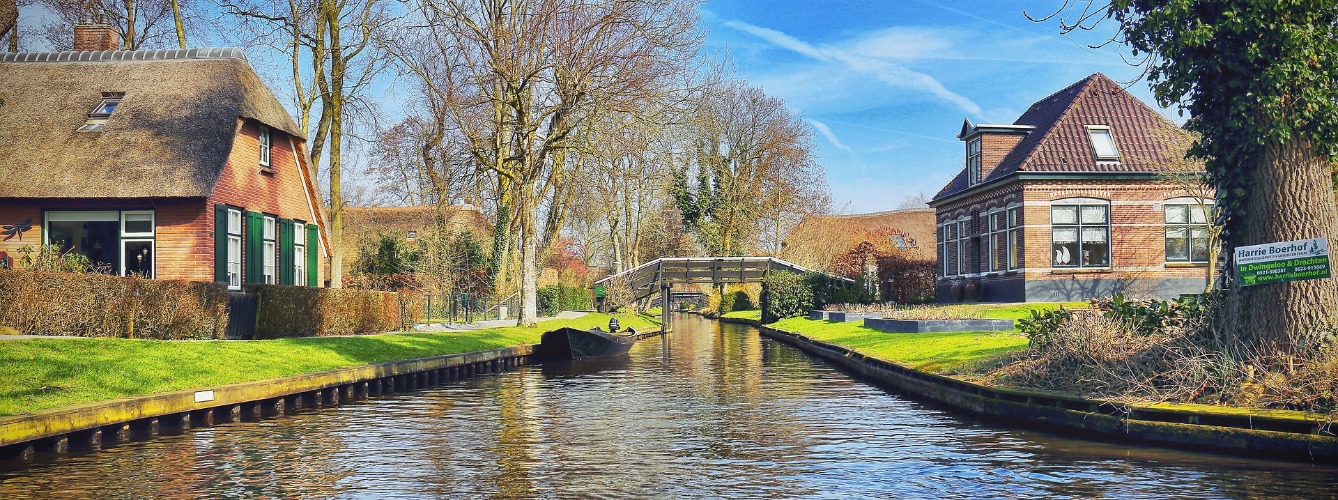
x=666 y=291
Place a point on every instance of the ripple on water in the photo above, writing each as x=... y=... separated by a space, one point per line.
x=704 y=412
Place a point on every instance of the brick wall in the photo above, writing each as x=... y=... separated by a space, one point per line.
x=179 y=227
x=1137 y=233
x=993 y=149
x=280 y=191
x=184 y=231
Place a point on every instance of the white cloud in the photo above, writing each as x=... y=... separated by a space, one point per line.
x=884 y=71
x=826 y=132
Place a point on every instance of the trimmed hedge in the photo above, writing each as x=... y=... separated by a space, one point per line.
x=97 y=305
x=556 y=298
x=296 y=311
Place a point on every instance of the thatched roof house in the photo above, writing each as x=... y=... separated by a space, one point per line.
x=169 y=163
x=817 y=241
x=364 y=225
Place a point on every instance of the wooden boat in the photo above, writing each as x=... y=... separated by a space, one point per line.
x=570 y=343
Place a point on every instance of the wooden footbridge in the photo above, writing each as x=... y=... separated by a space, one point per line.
x=660 y=275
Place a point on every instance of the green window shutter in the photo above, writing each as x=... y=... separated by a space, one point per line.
x=255 y=248
x=313 y=249
x=286 y=253
x=221 y=243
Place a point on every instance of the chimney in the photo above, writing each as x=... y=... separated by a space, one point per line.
x=99 y=36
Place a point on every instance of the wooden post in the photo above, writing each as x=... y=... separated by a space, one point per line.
x=666 y=290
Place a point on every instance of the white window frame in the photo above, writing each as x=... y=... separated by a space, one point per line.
x=1014 y=236
x=995 y=230
x=974 y=160
x=1190 y=204
x=269 y=248
x=961 y=242
x=266 y=146
x=122 y=236
x=1100 y=136
x=234 y=257
x=299 y=254
x=1079 y=225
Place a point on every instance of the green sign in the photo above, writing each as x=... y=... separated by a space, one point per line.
x=599 y=291
x=1279 y=262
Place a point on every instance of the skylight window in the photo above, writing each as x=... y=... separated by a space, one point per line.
x=1103 y=144
x=97 y=118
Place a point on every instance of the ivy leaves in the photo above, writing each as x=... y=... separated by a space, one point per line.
x=1249 y=72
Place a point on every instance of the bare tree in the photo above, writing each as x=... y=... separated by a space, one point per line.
x=9 y=23
x=749 y=171
x=139 y=23
x=520 y=79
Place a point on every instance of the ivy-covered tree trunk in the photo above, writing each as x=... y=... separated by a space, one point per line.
x=1290 y=197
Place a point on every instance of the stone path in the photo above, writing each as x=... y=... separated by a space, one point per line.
x=478 y=325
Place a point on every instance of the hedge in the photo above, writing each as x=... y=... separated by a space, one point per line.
x=98 y=305
x=556 y=298
x=785 y=295
x=296 y=311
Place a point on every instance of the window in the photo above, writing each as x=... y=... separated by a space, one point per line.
x=97 y=118
x=300 y=254
x=234 y=249
x=265 y=146
x=943 y=249
x=115 y=242
x=950 y=246
x=269 y=251
x=1014 y=237
x=973 y=161
x=998 y=240
x=1080 y=235
x=1186 y=232
x=1103 y=144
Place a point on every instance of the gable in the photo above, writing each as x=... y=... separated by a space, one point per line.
x=169 y=137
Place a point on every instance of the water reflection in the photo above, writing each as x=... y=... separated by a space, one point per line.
x=708 y=411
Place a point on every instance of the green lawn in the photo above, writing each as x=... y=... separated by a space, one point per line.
x=42 y=374
x=754 y=314
x=964 y=353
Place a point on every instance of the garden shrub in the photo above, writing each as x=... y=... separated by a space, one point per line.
x=557 y=298
x=1040 y=328
x=96 y=305
x=295 y=311
x=786 y=295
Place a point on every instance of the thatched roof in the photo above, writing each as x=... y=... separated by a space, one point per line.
x=818 y=240
x=169 y=137
x=364 y=225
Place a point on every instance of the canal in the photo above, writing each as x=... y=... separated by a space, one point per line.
x=709 y=411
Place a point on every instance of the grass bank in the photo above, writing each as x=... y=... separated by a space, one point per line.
x=963 y=354
x=43 y=374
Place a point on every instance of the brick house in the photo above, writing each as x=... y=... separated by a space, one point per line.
x=168 y=164
x=1071 y=201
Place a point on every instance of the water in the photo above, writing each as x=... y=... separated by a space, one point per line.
x=708 y=411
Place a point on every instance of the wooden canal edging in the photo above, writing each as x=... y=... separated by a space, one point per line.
x=91 y=425
x=1289 y=435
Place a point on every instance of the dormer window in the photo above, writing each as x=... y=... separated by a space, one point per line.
x=264 y=147
x=973 y=161
x=97 y=118
x=1103 y=144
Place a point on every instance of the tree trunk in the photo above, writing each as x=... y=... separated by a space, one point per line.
x=335 y=110
x=529 y=252
x=1290 y=198
x=181 y=28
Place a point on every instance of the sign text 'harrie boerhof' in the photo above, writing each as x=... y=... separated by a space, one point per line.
x=1278 y=262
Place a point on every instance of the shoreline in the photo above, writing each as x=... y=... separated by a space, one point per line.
x=1289 y=435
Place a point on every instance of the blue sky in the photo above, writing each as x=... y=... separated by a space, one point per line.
x=885 y=84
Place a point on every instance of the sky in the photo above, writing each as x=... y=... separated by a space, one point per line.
x=885 y=85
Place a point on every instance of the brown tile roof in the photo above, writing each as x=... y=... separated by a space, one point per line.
x=1145 y=140
x=818 y=240
x=169 y=137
